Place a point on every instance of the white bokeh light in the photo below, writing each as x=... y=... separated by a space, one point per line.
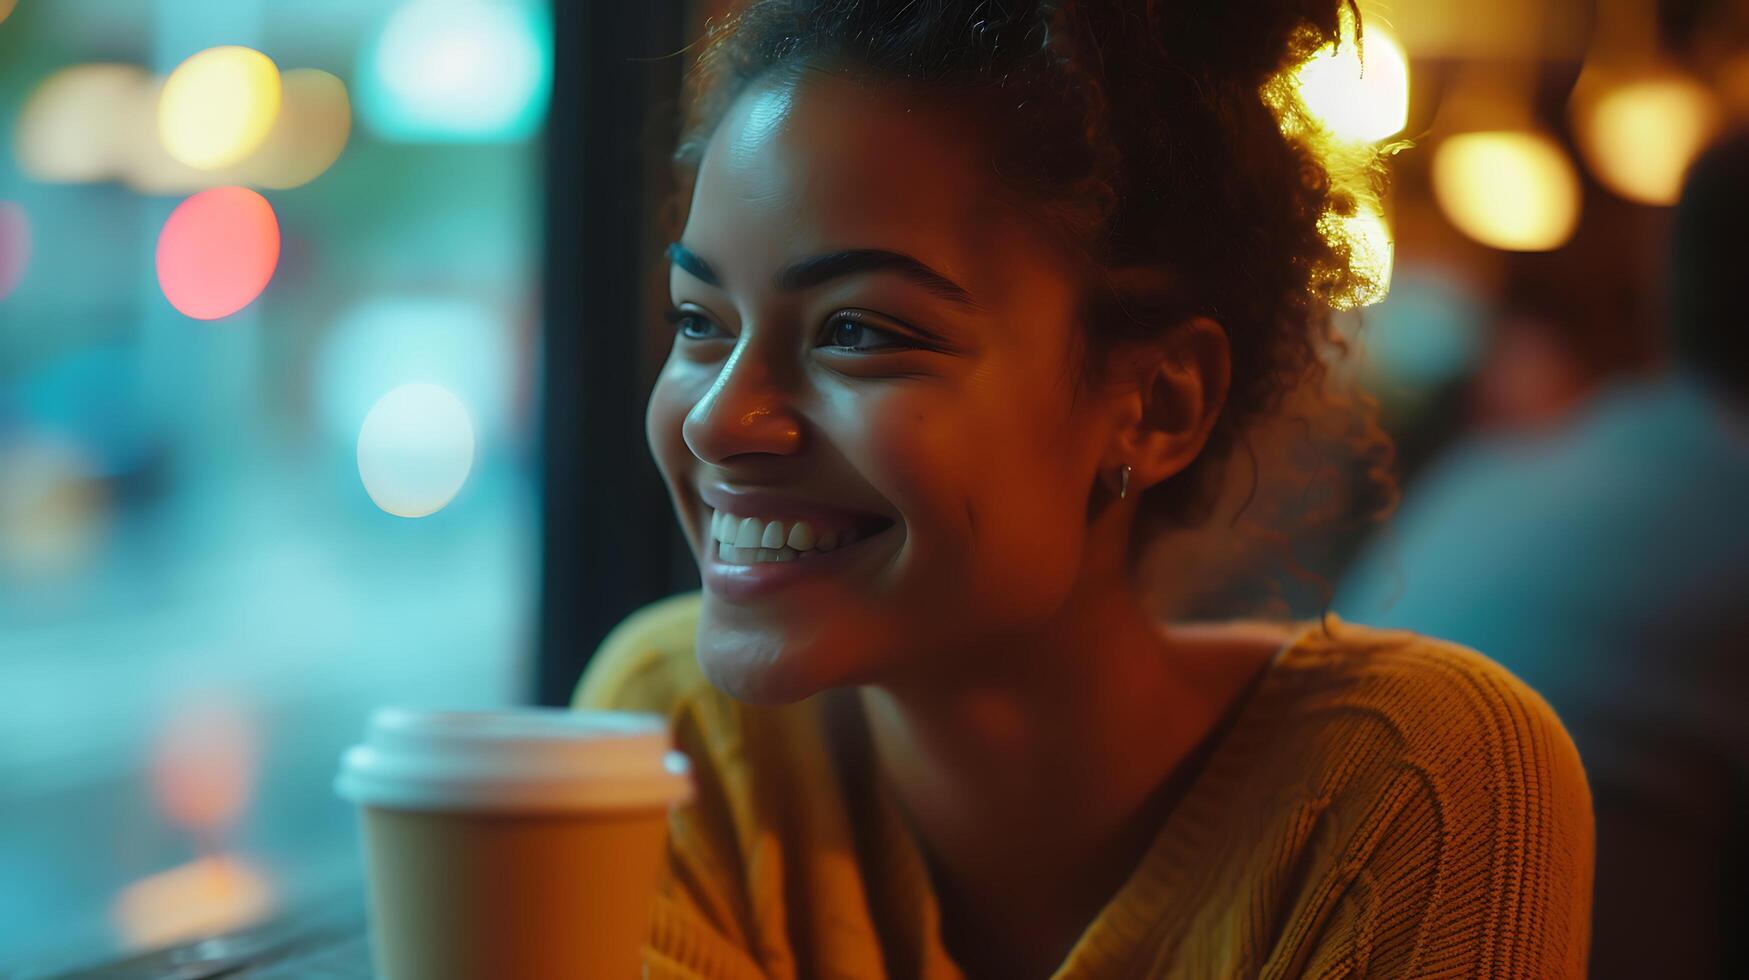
x=72 y=124
x=415 y=450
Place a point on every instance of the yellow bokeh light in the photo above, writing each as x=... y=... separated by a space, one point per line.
x=218 y=106
x=1508 y=189
x=1358 y=100
x=148 y=167
x=214 y=894
x=1372 y=252
x=6 y=8
x=1639 y=137
x=315 y=118
x=308 y=135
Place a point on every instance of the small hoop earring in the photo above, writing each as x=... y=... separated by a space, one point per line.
x=1123 y=487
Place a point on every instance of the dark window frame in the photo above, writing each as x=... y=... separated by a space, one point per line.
x=609 y=541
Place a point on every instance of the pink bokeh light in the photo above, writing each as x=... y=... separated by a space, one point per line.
x=217 y=252
x=14 y=245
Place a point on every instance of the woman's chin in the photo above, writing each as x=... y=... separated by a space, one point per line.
x=758 y=674
x=764 y=685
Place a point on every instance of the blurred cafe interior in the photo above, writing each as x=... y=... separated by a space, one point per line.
x=326 y=330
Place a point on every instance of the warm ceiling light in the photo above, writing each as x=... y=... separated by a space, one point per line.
x=1508 y=189
x=1358 y=100
x=1731 y=79
x=1639 y=135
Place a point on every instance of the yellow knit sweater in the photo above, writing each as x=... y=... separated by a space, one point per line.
x=1381 y=805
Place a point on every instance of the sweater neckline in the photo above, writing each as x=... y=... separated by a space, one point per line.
x=1110 y=943
x=1169 y=871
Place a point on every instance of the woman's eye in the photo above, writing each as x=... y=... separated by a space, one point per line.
x=689 y=325
x=846 y=330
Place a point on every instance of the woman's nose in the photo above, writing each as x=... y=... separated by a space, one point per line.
x=745 y=410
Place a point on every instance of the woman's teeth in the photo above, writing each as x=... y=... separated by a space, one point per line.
x=749 y=540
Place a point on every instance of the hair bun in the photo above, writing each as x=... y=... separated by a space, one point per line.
x=1247 y=41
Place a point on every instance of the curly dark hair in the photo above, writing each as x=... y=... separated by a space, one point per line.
x=1163 y=142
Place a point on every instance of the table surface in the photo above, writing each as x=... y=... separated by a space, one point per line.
x=328 y=943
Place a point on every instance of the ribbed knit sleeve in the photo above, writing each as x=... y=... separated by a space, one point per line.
x=683 y=946
x=1472 y=856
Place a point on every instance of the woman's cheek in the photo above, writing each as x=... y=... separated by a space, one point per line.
x=966 y=563
x=664 y=418
x=905 y=451
x=1018 y=550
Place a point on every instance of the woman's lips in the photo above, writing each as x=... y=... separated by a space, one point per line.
x=738 y=583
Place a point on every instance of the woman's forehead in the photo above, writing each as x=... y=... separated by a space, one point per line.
x=834 y=163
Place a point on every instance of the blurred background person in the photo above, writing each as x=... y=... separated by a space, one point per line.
x=1605 y=560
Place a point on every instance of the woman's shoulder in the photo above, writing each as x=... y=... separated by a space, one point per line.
x=1450 y=712
x=647 y=661
x=1441 y=776
x=1429 y=692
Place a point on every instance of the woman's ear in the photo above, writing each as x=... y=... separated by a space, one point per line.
x=1179 y=387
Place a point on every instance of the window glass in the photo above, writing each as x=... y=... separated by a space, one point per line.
x=268 y=335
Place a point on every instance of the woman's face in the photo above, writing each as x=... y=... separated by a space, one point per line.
x=928 y=412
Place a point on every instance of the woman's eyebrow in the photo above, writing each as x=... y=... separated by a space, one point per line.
x=835 y=265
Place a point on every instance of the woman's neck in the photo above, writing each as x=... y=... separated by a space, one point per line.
x=1034 y=776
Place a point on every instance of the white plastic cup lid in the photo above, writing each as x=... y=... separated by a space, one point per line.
x=523 y=759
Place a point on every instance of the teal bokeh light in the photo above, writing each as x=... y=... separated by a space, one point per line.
x=458 y=71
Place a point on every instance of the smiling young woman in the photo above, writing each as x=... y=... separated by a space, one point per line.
x=972 y=301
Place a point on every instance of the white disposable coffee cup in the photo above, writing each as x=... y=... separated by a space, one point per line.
x=517 y=843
